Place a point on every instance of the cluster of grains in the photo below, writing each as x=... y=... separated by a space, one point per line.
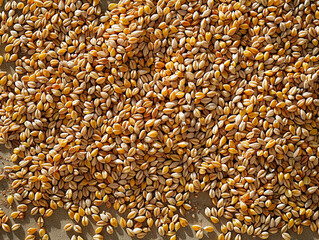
x=138 y=107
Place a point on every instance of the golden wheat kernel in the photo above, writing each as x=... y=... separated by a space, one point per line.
x=77 y=228
x=68 y=227
x=208 y=228
x=31 y=231
x=196 y=227
x=10 y=199
x=15 y=226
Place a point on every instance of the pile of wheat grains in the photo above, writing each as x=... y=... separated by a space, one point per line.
x=138 y=107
